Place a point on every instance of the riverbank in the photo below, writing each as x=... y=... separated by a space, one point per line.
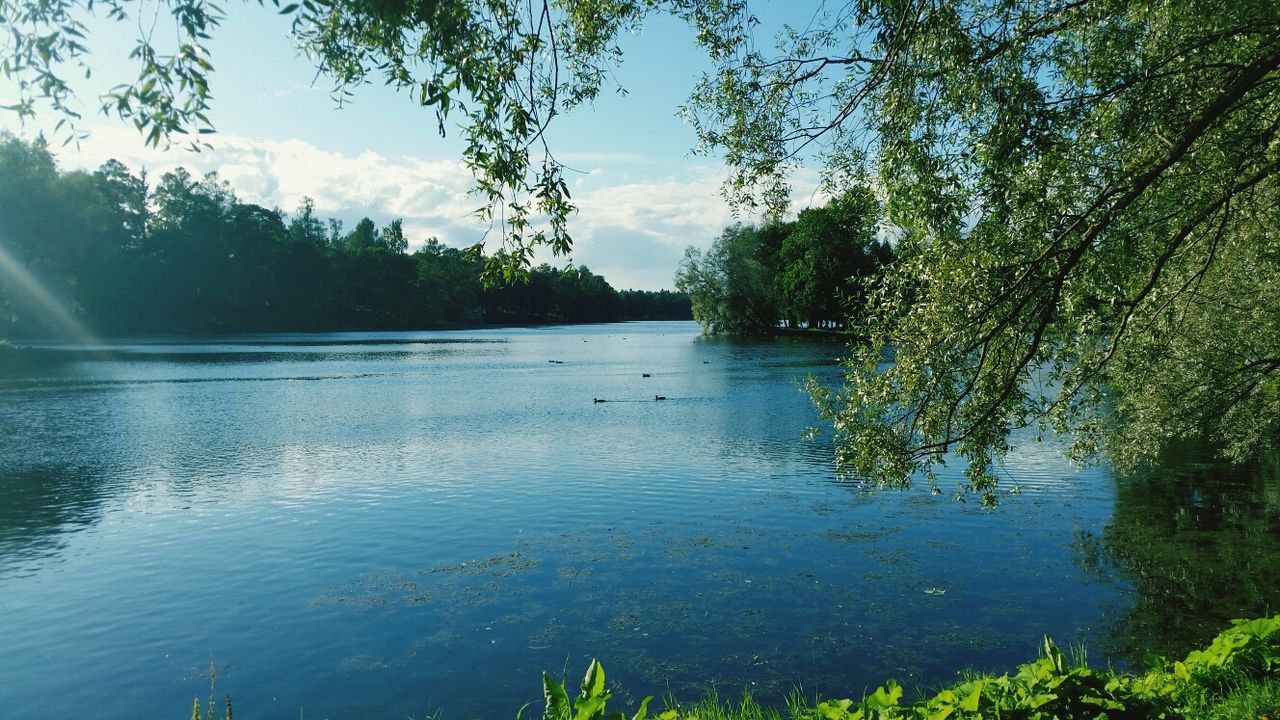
x=1235 y=677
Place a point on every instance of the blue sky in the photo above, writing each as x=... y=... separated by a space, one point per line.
x=642 y=197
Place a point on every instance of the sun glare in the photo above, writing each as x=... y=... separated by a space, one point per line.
x=33 y=294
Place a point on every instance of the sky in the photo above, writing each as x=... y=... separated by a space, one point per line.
x=642 y=196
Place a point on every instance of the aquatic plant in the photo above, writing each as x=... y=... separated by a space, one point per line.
x=209 y=712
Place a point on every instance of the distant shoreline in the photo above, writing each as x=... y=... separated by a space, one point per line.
x=21 y=346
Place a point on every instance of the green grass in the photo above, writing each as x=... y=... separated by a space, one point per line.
x=1250 y=701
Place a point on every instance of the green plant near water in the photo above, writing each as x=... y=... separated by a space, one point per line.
x=210 y=711
x=1236 y=677
x=590 y=702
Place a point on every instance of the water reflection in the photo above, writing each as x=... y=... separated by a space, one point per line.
x=41 y=505
x=1200 y=545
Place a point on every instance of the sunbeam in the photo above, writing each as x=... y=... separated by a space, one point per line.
x=52 y=313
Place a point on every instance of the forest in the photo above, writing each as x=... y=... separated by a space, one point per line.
x=135 y=255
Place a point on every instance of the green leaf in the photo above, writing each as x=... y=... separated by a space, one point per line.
x=1104 y=703
x=837 y=710
x=593 y=681
x=885 y=697
x=287 y=9
x=942 y=712
x=557 y=699
x=1035 y=701
x=643 y=712
x=1054 y=655
x=590 y=708
x=970 y=703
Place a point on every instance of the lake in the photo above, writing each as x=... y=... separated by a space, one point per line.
x=382 y=525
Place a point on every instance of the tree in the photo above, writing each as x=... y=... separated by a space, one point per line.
x=654 y=305
x=1084 y=191
x=391 y=238
x=305 y=228
x=127 y=194
x=364 y=238
x=728 y=285
x=1086 y=194
x=447 y=283
x=827 y=257
x=41 y=245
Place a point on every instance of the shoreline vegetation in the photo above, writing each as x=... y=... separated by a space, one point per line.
x=116 y=253
x=814 y=273
x=1235 y=677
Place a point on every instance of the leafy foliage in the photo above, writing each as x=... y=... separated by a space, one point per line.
x=590 y=702
x=1086 y=200
x=1050 y=688
x=728 y=285
x=829 y=258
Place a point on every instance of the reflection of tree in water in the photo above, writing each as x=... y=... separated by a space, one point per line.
x=1200 y=545
x=39 y=504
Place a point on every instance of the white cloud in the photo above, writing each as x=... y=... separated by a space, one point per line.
x=675 y=211
x=635 y=233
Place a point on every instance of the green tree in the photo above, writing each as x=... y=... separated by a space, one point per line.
x=654 y=305
x=93 y=252
x=127 y=195
x=305 y=228
x=729 y=285
x=828 y=257
x=373 y=272
x=1087 y=199
x=448 y=282
x=44 y=242
x=391 y=238
x=363 y=238
x=189 y=258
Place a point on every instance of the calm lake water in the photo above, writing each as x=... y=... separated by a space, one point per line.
x=385 y=525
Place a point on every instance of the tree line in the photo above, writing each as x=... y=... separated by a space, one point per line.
x=813 y=272
x=183 y=254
